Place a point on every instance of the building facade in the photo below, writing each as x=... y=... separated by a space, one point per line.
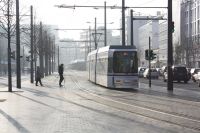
x=162 y=52
x=148 y=33
x=190 y=32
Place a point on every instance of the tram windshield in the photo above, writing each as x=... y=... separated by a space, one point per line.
x=125 y=62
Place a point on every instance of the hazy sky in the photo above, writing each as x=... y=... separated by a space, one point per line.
x=77 y=18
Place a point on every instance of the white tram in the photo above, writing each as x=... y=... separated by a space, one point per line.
x=114 y=66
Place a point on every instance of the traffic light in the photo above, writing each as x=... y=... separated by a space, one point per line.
x=173 y=27
x=152 y=55
x=12 y=55
x=147 y=54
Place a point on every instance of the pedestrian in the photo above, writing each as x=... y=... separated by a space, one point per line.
x=60 y=71
x=38 y=76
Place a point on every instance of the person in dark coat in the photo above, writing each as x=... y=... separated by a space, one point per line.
x=60 y=71
x=38 y=76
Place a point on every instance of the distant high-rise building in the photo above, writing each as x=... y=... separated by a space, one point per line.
x=151 y=29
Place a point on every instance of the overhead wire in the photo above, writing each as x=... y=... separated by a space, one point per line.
x=145 y=3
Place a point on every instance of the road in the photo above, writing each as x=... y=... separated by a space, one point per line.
x=177 y=109
x=186 y=86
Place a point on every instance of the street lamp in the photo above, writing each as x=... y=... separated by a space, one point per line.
x=18 y=67
x=99 y=23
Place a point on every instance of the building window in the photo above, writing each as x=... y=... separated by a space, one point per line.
x=195 y=28
x=198 y=27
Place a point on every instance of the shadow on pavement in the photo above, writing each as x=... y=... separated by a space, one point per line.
x=124 y=89
x=14 y=122
x=74 y=103
x=11 y=92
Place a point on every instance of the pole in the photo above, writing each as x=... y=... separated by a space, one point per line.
x=89 y=50
x=18 y=67
x=35 y=48
x=46 y=43
x=49 y=55
x=9 y=52
x=95 y=34
x=95 y=71
x=41 y=50
x=105 y=27
x=90 y=37
x=31 y=62
x=23 y=61
x=54 y=56
x=58 y=57
x=123 y=23
x=131 y=27
x=149 y=63
x=86 y=51
x=52 y=52
x=170 y=47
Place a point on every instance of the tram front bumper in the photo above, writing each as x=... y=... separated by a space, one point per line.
x=125 y=83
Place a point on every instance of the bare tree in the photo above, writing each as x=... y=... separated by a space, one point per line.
x=178 y=54
x=5 y=19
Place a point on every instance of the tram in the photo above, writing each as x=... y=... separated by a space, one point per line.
x=113 y=66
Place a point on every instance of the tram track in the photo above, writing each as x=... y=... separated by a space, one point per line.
x=158 y=98
x=149 y=112
x=160 y=82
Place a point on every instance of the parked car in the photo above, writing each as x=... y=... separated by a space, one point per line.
x=193 y=73
x=195 y=77
x=189 y=74
x=154 y=73
x=198 y=78
x=141 y=71
x=179 y=74
x=159 y=71
x=163 y=70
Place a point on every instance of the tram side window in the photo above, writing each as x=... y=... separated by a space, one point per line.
x=110 y=64
x=135 y=63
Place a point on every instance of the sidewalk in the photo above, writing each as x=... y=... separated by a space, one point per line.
x=30 y=109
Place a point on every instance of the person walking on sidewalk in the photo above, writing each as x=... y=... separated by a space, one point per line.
x=60 y=71
x=38 y=76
